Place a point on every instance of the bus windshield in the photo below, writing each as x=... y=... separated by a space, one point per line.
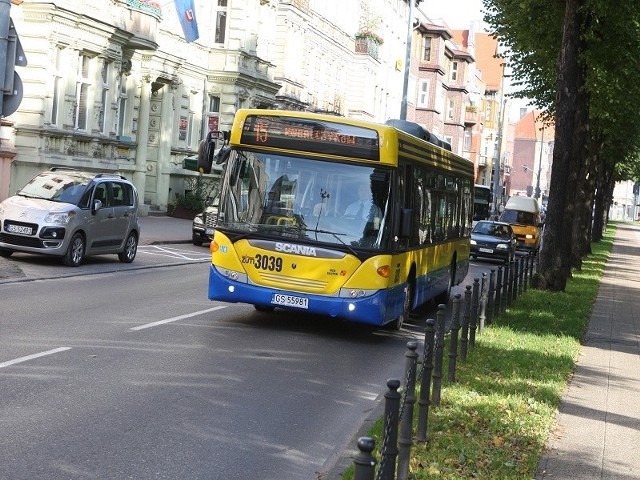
x=272 y=195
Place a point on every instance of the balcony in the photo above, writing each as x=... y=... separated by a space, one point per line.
x=472 y=116
x=141 y=19
x=367 y=46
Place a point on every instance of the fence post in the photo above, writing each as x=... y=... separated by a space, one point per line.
x=499 y=285
x=473 y=321
x=466 y=317
x=491 y=296
x=482 y=315
x=508 y=284
x=522 y=277
x=425 y=381
x=526 y=272
x=533 y=261
x=389 y=450
x=516 y=276
x=406 y=418
x=364 y=461
x=453 y=346
x=439 y=352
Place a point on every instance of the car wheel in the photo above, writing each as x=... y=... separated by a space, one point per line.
x=75 y=252
x=130 y=249
x=5 y=253
x=196 y=240
x=262 y=308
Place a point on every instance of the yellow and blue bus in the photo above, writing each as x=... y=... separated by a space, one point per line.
x=338 y=217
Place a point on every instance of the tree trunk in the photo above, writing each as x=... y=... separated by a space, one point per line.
x=555 y=260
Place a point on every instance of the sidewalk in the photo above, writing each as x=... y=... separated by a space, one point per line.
x=598 y=431
x=153 y=230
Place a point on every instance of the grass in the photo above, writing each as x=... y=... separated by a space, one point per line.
x=494 y=421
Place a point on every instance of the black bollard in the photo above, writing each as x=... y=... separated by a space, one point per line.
x=425 y=381
x=521 y=281
x=364 y=461
x=438 y=355
x=473 y=321
x=389 y=450
x=453 y=338
x=527 y=279
x=491 y=296
x=406 y=417
x=466 y=318
x=499 y=286
x=516 y=276
x=508 y=280
x=482 y=312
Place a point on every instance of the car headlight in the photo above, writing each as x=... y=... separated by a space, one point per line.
x=197 y=220
x=60 y=218
x=473 y=242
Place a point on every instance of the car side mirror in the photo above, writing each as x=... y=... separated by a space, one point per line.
x=97 y=205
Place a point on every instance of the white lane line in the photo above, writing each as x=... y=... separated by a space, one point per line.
x=31 y=357
x=175 y=319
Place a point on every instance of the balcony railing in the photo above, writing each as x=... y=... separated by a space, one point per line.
x=367 y=46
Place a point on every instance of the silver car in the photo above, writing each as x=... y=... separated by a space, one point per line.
x=71 y=214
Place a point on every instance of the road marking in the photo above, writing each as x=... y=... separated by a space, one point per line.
x=35 y=355
x=175 y=319
x=174 y=253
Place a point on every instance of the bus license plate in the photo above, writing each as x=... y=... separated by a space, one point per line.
x=290 y=301
x=19 y=229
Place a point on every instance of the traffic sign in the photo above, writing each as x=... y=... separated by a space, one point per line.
x=11 y=101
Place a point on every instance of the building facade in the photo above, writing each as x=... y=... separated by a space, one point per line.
x=114 y=86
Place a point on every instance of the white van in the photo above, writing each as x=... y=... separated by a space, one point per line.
x=523 y=214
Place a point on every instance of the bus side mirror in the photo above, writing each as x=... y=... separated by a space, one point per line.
x=222 y=155
x=405 y=223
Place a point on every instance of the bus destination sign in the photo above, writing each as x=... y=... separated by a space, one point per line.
x=294 y=133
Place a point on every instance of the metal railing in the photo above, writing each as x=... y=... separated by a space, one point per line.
x=485 y=299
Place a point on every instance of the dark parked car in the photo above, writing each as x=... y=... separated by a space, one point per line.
x=494 y=240
x=204 y=224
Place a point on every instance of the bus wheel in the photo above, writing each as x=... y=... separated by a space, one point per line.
x=406 y=309
x=444 y=296
x=262 y=308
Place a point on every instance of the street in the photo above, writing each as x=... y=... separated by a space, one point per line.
x=119 y=373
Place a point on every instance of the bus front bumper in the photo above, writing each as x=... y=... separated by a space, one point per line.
x=377 y=309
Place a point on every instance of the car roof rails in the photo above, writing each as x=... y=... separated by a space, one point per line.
x=61 y=167
x=110 y=175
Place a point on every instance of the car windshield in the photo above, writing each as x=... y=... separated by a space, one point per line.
x=273 y=195
x=494 y=229
x=57 y=187
x=519 y=216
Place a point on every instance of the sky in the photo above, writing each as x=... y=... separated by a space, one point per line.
x=457 y=14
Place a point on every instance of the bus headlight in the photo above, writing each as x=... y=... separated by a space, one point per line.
x=528 y=236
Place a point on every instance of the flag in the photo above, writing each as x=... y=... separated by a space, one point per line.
x=187 y=16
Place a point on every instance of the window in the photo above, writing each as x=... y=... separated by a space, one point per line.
x=450 y=109
x=57 y=85
x=104 y=75
x=82 y=93
x=214 y=104
x=122 y=103
x=221 y=21
x=467 y=139
x=426 y=50
x=453 y=73
x=423 y=93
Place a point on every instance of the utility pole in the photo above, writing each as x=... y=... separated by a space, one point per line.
x=5 y=20
x=537 y=195
x=407 y=61
x=498 y=158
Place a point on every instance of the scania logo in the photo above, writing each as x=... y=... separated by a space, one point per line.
x=299 y=249
x=23 y=214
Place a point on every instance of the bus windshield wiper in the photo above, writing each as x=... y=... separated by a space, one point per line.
x=335 y=235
